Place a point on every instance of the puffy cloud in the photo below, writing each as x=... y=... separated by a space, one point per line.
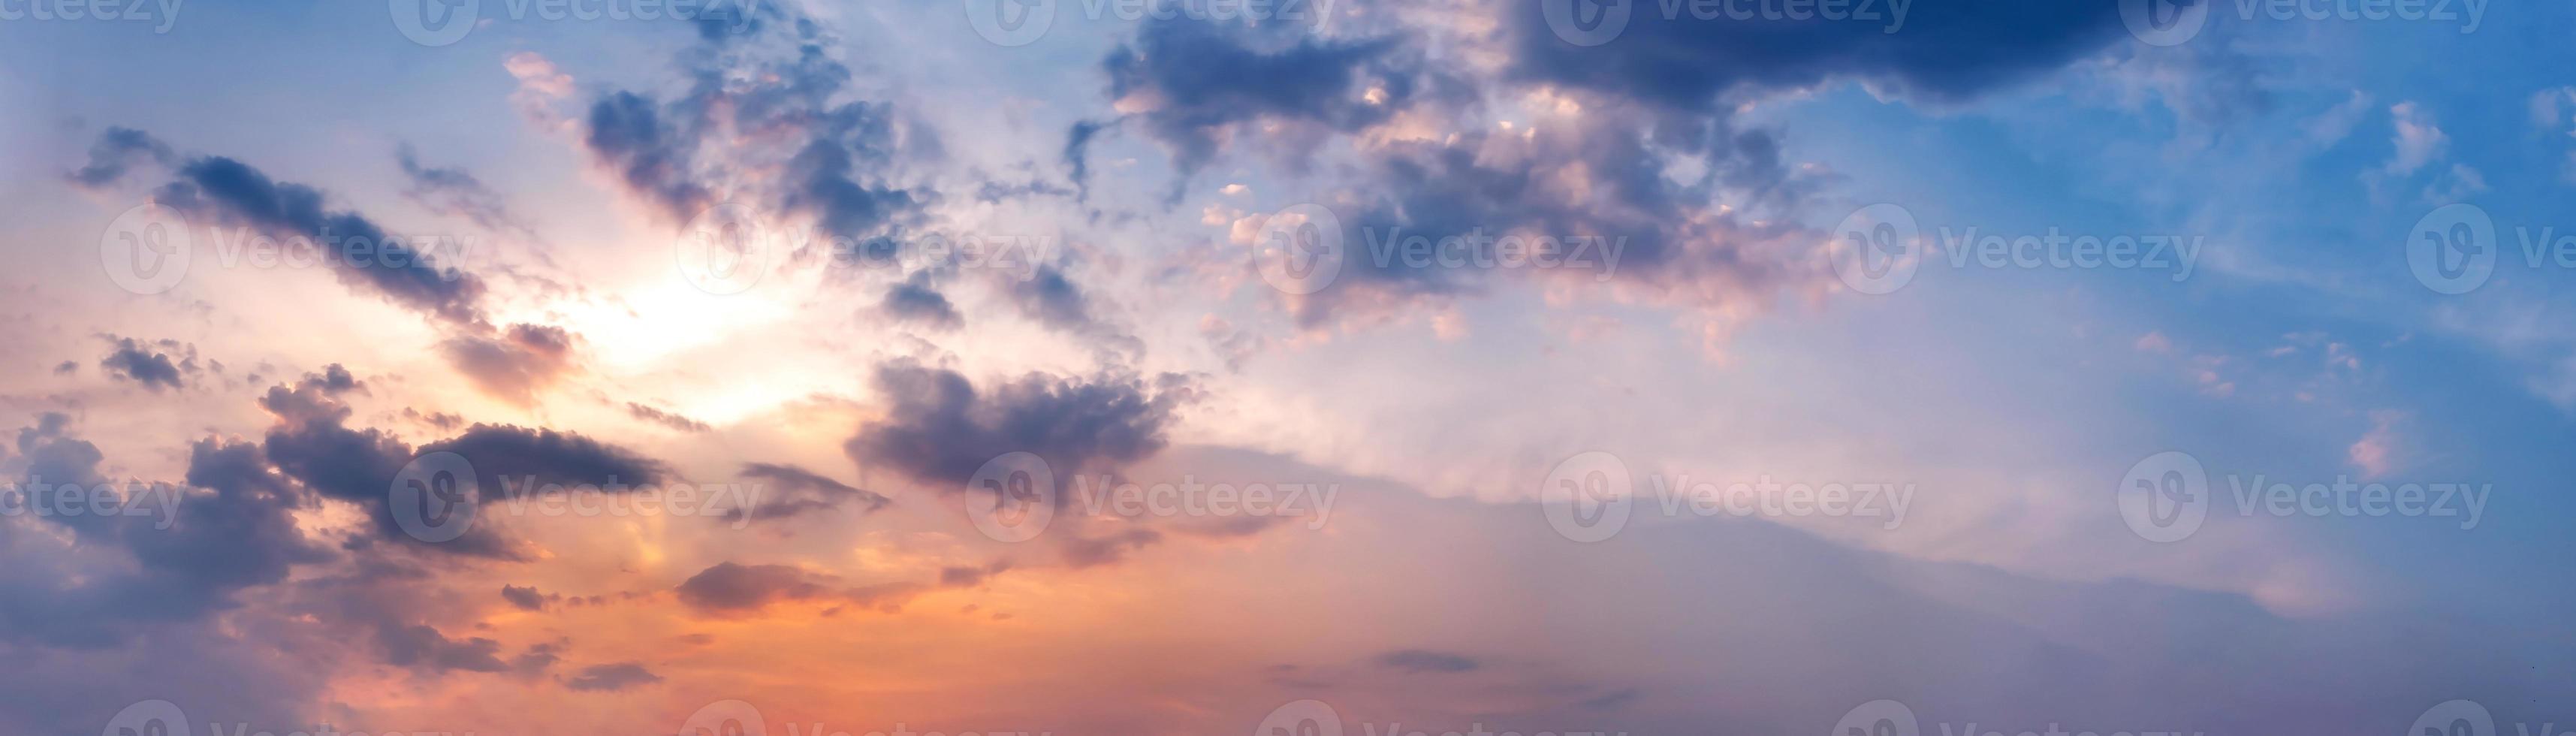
x=940 y=428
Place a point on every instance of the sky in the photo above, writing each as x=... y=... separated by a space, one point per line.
x=1415 y=367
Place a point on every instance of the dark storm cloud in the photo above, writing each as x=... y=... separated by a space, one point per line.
x=940 y=428
x=793 y=491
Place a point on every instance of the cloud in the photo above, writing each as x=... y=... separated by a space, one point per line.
x=454 y=191
x=1944 y=51
x=796 y=491
x=732 y=588
x=230 y=527
x=1420 y=661
x=527 y=598
x=611 y=677
x=2418 y=140
x=514 y=365
x=360 y=252
x=665 y=418
x=117 y=150
x=137 y=362
x=915 y=301
x=940 y=428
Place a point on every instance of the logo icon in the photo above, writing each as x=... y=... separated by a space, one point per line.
x=2164 y=22
x=148 y=718
x=1301 y=718
x=1010 y=22
x=725 y=718
x=2454 y=718
x=2453 y=249
x=433 y=498
x=2165 y=497
x=1586 y=22
x=1012 y=498
x=1878 y=718
x=435 y=22
x=146 y=249
x=1874 y=249
x=725 y=250
x=1299 y=250
x=1586 y=496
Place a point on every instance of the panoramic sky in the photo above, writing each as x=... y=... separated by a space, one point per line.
x=1287 y=367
